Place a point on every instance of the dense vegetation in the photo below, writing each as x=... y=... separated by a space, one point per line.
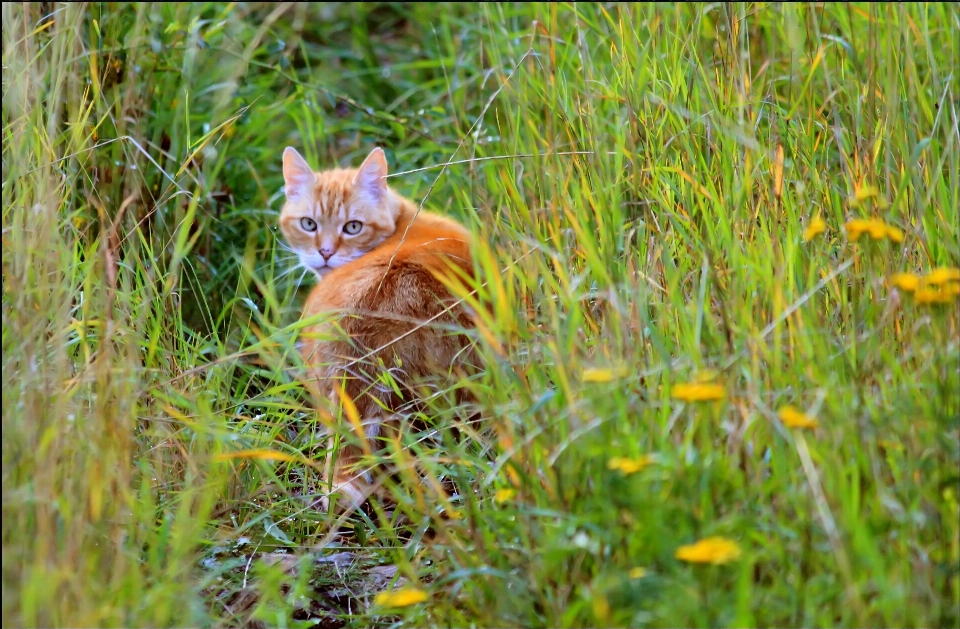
x=692 y=219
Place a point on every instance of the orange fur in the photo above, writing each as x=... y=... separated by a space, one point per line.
x=389 y=310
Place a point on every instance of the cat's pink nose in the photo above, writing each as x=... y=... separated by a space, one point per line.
x=326 y=253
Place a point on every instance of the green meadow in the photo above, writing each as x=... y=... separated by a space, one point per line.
x=717 y=302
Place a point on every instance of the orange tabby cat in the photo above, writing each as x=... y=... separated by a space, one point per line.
x=379 y=262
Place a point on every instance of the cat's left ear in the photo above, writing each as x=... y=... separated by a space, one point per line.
x=371 y=177
x=298 y=177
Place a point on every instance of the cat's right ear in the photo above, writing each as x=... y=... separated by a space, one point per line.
x=371 y=176
x=298 y=177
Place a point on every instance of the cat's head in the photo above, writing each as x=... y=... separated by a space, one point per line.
x=335 y=216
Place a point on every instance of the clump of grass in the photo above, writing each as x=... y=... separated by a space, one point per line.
x=684 y=339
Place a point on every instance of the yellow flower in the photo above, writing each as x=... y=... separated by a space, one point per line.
x=715 y=550
x=905 y=281
x=601 y=607
x=629 y=466
x=855 y=228
x=404 y=597
x=793 y=418
x=862 y=194
x=504 y=495
x=816 y=227
x=637 y=573
x=943 y=296
x=943 y=275
x=877 y=229
x=894 y=234
x=859 y=226
x=603 y=374
x=698 y=392
x=943 y=279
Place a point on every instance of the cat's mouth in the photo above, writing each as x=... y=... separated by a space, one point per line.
x=323 y=267
x=319 y=266
x=321 y=270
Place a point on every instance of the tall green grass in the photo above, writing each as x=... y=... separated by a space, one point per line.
x=639 y=177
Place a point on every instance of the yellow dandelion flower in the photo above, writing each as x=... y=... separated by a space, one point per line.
x=504 y=495
x=878 y=230
x=698 y=392
x=601 y=607
x=603 y=374
x=793 y=418
x=816 y=227
x=906 y=281
x=629 y=466
x=862 y=194
x=714 y=550
x=855 y=228
x=875 y=228
x=945 y=295
x=637 y=573
x=404 y=597
x=942 y=275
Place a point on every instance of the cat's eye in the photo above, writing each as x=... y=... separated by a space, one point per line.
x=352 y=228
x=308 y=224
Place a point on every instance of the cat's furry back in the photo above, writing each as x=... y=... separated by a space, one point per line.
x=390 y=312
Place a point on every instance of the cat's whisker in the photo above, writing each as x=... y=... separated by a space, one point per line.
x=281 y=261
x=300 y=281
x=283 y=272
x=289 y=271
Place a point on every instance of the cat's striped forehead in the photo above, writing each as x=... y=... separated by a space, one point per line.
x=333 y=190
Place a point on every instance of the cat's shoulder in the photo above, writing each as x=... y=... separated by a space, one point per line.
x=426 y=223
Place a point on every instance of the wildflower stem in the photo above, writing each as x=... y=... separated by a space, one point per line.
x=829 y=524
x=705 y=573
